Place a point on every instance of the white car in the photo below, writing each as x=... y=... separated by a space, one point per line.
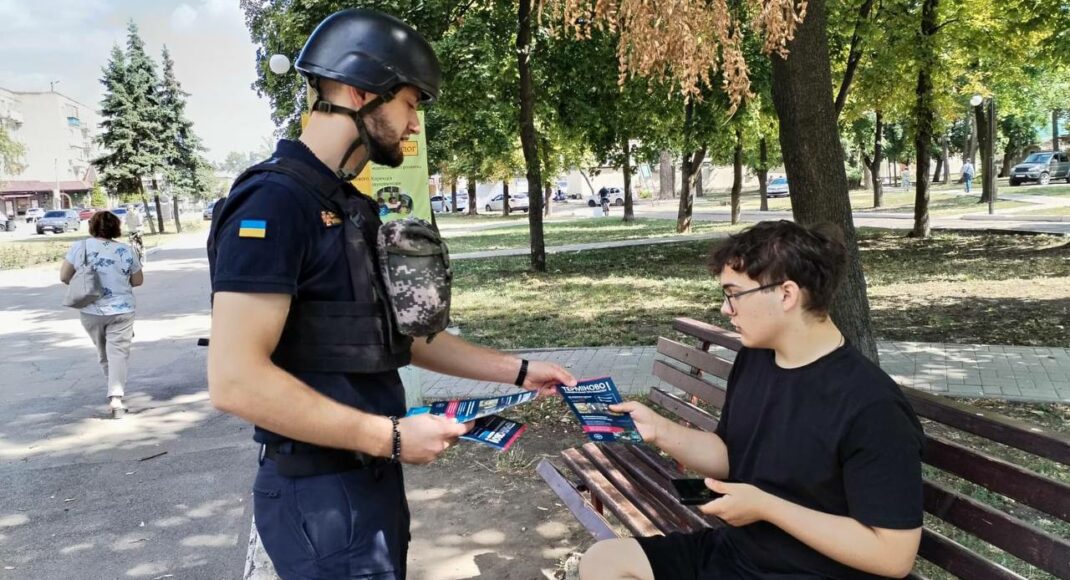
x=616 y=197
x=440 y=204
x=517 y=201
x=34 y=213
x=778 y=188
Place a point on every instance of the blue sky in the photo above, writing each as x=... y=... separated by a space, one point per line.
x=70 y=40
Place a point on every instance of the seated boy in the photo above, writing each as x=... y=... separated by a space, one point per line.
x=821 y=446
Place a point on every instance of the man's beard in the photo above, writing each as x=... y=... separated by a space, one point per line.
x=384 y=147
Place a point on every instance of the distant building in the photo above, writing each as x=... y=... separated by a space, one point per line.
x=58 y=135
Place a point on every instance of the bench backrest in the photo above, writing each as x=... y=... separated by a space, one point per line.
x=700 y=373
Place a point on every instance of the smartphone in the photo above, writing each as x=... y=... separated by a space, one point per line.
x=694 y=491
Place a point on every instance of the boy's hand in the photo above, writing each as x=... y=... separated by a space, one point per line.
x=742 y=503
x=647 y=422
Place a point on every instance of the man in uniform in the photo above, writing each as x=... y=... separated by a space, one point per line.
x=303 y=344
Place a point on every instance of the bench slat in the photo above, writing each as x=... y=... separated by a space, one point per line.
x=1028 y=542
x=643 y=497
x=575 y=502
x=657 y=484
x=707 y=332
x=633 y=519
x=705 y=361
x=1025 y=486
x=960 y=560
x=1019 y=434
x=690 y=384
x=683 y=409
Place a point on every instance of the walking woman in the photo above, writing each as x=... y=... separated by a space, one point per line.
x=110 y=320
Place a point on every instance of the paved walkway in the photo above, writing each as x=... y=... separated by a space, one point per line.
x=1020 y=373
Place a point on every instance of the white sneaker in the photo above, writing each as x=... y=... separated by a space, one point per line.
x=116 y=405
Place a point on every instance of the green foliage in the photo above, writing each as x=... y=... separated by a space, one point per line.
x=11 y=153
x=181 y=149
x=97 y=198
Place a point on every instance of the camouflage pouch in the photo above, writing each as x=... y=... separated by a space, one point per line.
x=415 y=266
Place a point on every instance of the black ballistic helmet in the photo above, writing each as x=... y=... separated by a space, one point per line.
x=372 y=51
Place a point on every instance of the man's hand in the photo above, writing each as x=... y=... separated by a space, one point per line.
x=742 y=503
x=646 y=420
x=545 y=376
x=425 y=437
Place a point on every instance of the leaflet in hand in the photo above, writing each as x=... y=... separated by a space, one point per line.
x=497 y=432
x=465 y=410
x=590 y=401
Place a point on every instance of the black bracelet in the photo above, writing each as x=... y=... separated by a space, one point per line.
x=395 y=454
x=523 y=373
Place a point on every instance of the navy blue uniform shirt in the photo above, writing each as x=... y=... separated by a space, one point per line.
x=299 y=255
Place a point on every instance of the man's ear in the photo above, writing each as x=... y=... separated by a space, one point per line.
x=791 y=296
x=358 y=97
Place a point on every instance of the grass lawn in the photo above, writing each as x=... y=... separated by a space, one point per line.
x=44 y=249
x=959 y=288
x=941 y=202
x=1065 y=210
x=584 y=231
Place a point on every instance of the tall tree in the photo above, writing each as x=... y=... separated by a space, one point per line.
x=525 y=47
x=181 y=148
x=143 y=88
x=122 y=164
x=923 y=133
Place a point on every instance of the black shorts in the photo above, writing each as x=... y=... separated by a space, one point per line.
x=705 y=555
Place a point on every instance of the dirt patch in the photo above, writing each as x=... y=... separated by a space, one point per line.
x=477 y=513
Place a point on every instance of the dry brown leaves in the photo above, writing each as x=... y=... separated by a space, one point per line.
x=683 y=41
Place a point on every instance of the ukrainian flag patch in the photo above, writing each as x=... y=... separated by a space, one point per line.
x=252 y=229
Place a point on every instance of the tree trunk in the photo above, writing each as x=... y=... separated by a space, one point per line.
x=453 y=195
x=763 y=174
x=924 y=117
x=547 y=199
x=973 y=143
x=145 y=203
x=875 y=162
x=629 y=203
x=985 y=165
x=1008 y=157
x=1055 y=129
x=524 y=47
x=947 y=160
x=178 y=220
x=699 y=188
x=687 y=201
x=505 y=197
x=813 y=157
x=665 y=175
x=867 y=175
x=938 y=171
x=737 y=175
x=156 y=202
x=473 y=203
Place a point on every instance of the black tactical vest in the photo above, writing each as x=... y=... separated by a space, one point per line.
x=356 y=336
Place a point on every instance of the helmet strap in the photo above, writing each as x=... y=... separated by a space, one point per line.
x=323 y=106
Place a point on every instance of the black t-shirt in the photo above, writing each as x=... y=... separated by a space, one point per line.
x=296 y=254
x=837 y=436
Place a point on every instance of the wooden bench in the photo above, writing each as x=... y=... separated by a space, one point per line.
x=632 y=482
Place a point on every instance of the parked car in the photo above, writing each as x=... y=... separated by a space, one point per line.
x=85 y=213
x=1042 y=167
x=33 y=214
x=440 y=204
x=119 y=212
x=8 y=223
x=616 y=197
x=208 y=209
x=517 y=202
x=58 y=221
x=778 y=187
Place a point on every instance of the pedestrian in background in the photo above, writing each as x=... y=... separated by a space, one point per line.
x=109 y=320
x=967 y=175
